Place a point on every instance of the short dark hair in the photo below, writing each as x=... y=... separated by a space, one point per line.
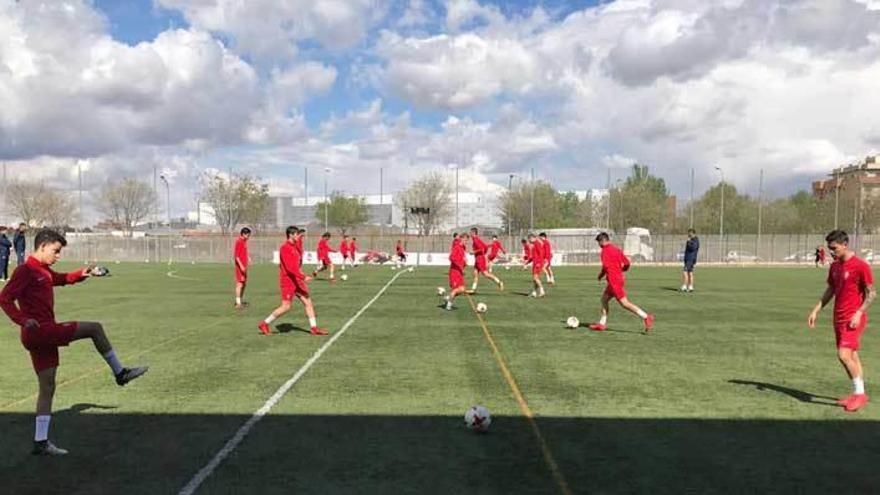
x=692 y=231
x=245 y=230
x=22 y=224
x=326 y=235
x=474 y=230
x=543 y=234
x=523 y=241
x=494 y=236
x=354 y=238
x=48 y=236
x=603 y=236
x=292 y=230
x=837 y=236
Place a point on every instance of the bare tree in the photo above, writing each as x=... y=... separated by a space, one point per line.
x=127 y=202
x=56 y=209
x=432 y=191
x=236 y=199
x=23 y=201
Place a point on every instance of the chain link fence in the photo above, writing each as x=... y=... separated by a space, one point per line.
x=574 y=249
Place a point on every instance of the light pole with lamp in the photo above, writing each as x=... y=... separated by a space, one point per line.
x=326 y=201
x=167 y=198
x=721 y=222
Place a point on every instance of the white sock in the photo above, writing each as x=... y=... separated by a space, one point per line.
x=541 y=291
x=858 y=385
x=642 y=314
x=41 y=432
x=113 y=361
x=238 y=301
x=313 y=322
x=684 y=287
x=269 y=319
x=603 y=320
x=474 y=286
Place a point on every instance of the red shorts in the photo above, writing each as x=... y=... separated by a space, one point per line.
x=847 y=337
x=480 y=264
x=326 y=261
x=345 y=256
x=492 y=256
x=294 y=288
x=43 y=343
x=616 y=291
x=537 y=268
x=456 y=278
x=240 y=276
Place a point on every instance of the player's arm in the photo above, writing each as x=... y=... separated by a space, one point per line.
x=624 y=263
x=870 y=293
x=10 y=294
x=71 y=277
x=826 y=298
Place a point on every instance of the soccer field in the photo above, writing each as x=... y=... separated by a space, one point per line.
x=730 y=393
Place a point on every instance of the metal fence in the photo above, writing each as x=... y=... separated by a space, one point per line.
x=580 y=249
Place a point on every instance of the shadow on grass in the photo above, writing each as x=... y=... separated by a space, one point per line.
x=159 y=453
x=794 y=393
x=287 y=328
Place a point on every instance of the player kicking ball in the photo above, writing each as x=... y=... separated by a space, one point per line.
x=614 y=263
x=29 y=301
x=323 y=253
x=293 y=283
x=481 y=265
x=494 y=249
x=457 y=264
x=851 y=284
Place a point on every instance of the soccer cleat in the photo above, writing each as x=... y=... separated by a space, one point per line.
x=501 y=286
x=318 y=331
x=264 y=328
x=46 y=447
x=649 y=323
x=858 y=401
x=846 y=400
x=533 y=294
x=449 y=306
x=129 y=374
x=597 y=327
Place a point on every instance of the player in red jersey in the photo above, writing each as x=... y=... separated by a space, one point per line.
x=241 y=260
x=29 y=301
x=526 y=254
x=401 y=255
x=457 y=264
x=352 y=251
x=614 y=263
x=548 y=258
x=343 y=250
x=536 y=258
x=293 y=283
x=480 y=263
x=494 y=249
x=851 y=284
x=324 y=251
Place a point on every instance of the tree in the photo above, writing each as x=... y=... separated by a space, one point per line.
x=431 y=191
x=519 y=204
x=236 y=199
x=641 y=202
x=343 y=212
x=127 y=202
x=56 y=210
x=23 y=200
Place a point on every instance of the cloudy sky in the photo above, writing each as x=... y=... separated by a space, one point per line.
x=569 y=88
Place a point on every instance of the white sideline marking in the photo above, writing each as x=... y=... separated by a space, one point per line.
x=173 y=274
x=242 y=432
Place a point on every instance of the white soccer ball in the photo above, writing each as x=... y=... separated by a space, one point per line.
x=441 y=291
x=507 y=267
x=344 y=277
x=394 y=268
x=482 y=308
x=477 y=419
x=572 y=322
x=410 y=269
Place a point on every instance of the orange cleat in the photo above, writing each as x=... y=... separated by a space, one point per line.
x=649 y=323
x=597 y=327
x=318 y=331
x=264 y=328
x=846 y=400
x=858 y=401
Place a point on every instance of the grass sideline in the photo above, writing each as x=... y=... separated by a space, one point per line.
x=729 y=394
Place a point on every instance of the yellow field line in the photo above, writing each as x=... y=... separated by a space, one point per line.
x=523 y=405
x=102 y=368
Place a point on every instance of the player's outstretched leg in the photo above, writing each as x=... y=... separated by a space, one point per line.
x=647 y=319
x=476 y=281
x=849 y=358
x=452 y=295
x=538 y=290
x=95 y=332
x=42 y=445
x=603 y=318
x=279 y=312
x=498 y=282
x=332 y=272
x=310 y=313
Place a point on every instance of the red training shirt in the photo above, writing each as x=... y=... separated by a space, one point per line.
x=31 y=286
x=496 y=246
x=850 y=280
x=478 y=245
x=241 y=252
x=457 y=255
x=289 y=268
x=614 y=263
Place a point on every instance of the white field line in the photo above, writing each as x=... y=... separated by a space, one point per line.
x=242 y=432
x=173 y=274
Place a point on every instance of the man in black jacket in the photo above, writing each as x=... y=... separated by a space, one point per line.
x=18 y=242
x=5 y=247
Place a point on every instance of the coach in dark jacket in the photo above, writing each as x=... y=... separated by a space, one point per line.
x=5 y=247
x=18 y=242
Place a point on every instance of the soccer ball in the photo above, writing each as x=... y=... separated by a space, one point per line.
x=344 y=277
x=477 y=419
x=482 y=308
x=572 y=322
x=441 y=291
x=394 y=268
x=507 y=267
x=410 y=269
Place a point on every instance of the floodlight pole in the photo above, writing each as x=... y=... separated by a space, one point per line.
x=167 y=199
x=721 y=228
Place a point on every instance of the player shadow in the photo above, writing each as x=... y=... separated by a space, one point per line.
x=671 y=289
x=800 y=395
x=81 y=408
x=287 y=328
x=586 y=326
x=518 y=293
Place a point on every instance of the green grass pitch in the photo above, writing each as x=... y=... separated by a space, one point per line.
x=731 y=392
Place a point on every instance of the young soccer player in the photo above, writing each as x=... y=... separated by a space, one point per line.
x=480 y=264
x=343 y=250
x=614 y=263
x=526 y=254
x=536 y=258
x=851 y=285
x=352 y=251
x=691 y=252
x=457 y=264
x=494 y=249
x=324 y=251
x=820 y=256
x=401 y=256
x=241 y=259
x=29 y=301
x=293 y=283
x=548 y=257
